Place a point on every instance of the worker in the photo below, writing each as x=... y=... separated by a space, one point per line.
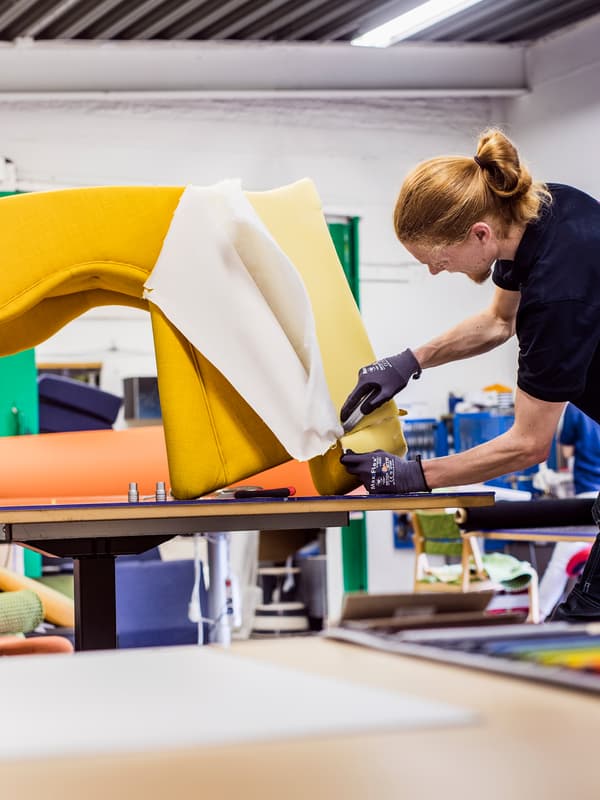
x=580 y=441
x=484 y=216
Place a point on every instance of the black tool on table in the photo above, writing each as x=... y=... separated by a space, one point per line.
x=284 y=491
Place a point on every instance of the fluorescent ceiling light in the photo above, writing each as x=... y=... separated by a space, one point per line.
x=413 y=21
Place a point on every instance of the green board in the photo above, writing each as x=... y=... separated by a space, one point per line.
x=18 y=394
x=344 y=233
x=345 y=238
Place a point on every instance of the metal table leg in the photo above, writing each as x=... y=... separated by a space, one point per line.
x=94 y=579
x=95 y=604
x=219 y=598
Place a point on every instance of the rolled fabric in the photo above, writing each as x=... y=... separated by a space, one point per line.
x=20 y=611
x=507 y=514
x=58 y=609
x=51 y=466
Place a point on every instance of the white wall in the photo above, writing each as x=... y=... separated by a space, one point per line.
x=556 y=125
x=357 y=153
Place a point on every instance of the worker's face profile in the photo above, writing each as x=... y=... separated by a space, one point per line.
x=473 y=257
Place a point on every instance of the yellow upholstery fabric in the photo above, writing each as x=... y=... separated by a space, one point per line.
x=67 y=251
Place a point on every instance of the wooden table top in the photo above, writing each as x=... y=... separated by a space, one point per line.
x=530 y=740
x=115 y=508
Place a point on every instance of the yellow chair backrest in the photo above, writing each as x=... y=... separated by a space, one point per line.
x=67 y=251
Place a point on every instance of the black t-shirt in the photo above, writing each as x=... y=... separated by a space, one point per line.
x=557 y=270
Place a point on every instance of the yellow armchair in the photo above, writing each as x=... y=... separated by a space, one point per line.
x=67 y=251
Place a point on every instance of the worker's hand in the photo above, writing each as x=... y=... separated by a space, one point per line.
x=384 y=473
x=379 y=382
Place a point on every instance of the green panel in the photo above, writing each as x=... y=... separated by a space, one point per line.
x=354 y=555
x=345 y=239
x=354 y=536
x=19 y=415
x=32 y=563
x=18 y=394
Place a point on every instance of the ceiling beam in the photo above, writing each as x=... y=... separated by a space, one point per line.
x=120 y=66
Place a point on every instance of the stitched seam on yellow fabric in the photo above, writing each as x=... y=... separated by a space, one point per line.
x=209 y=410
x=72 y=270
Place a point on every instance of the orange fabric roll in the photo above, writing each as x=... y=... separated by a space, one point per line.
x=65 y=467
x=82 y=463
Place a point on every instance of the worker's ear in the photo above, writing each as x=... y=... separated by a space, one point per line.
x=481 y=231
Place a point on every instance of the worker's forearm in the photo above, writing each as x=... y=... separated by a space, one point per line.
x=471 y=337
x=506 y=453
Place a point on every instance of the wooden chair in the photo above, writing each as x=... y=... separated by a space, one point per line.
x=437 y=533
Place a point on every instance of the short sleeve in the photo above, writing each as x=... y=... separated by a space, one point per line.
x=557 y=343
x=504 y=276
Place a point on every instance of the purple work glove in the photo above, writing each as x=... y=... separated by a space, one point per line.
x=384 y=473
x=379 y=382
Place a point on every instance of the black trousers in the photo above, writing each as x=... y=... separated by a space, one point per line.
x=583 y=602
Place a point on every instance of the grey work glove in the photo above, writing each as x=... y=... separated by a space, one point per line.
x=384 y=473
x=379 y=382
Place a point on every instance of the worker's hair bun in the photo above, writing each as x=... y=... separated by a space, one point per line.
x=500 y=167
x=442 y=198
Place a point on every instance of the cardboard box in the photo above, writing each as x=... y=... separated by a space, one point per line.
x=396 y=612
